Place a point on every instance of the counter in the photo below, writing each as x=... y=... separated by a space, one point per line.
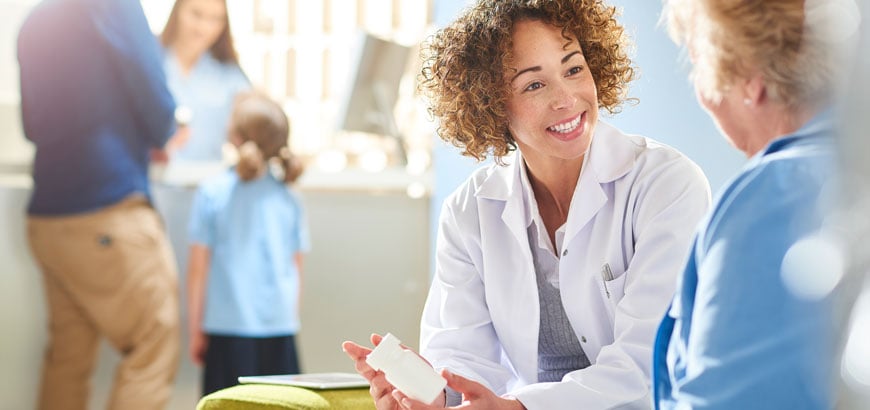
x=368 y=271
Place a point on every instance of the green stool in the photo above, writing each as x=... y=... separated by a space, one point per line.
x=274 y=397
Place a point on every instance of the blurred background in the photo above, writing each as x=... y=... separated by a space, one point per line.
x=377 y=173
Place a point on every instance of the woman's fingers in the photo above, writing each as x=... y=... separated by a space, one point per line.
x=462 y=385
x=358 y=354
x=406 y=403
x=355 y=351
x=380 y=386
x=382 y=391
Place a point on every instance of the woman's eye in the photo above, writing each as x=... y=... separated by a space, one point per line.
x=534 y=86
x=574 y=70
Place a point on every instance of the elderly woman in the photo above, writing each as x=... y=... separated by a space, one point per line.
x=556 y=263
x=744 y=331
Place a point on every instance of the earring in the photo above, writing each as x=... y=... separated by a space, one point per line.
x=747 y=101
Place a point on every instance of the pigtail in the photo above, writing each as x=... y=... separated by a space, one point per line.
x=291 y=165
x=263 y=128
x=251 y=163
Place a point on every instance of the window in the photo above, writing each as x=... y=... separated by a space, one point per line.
x=299 y=53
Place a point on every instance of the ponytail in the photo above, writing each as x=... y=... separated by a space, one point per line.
x=264 y=127
x=291 y=165
x=251 y=161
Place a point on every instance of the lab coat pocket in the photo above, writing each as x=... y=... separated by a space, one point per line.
x=612 y=288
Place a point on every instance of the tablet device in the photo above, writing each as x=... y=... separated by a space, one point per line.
x=311 y=380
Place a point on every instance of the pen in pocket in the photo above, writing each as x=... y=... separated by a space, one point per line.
x=606 y=276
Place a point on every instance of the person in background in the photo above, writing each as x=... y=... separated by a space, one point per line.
x=752 y=325
x=204 y=76
x=555 y=264
x=94 y=102
x=248 y=233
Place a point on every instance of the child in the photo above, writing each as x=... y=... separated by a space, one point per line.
x=247 y=234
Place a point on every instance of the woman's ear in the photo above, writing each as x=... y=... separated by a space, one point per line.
x=754 y=90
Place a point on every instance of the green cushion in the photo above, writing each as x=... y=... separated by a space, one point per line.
x=273 y=397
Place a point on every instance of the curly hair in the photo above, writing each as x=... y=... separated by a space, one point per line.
x=464 y=66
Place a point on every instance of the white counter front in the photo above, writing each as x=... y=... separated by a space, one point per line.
x=368 y=271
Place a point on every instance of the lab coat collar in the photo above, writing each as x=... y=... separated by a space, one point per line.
x=611 y=156
x=612 y=153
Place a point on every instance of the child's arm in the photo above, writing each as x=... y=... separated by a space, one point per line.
x=297 y=258
x=197 y=275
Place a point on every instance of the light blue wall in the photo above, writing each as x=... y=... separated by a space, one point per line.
x=668 y=110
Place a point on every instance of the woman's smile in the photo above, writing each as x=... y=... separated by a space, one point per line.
x=570 y=129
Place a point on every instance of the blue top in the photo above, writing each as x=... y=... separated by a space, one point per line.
x=253 y=231
x=208 y=91
x=94 y=101
x=736 y=335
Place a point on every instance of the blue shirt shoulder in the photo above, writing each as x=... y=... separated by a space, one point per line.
x=254 y=230
x=737 y=334
x=94 y=101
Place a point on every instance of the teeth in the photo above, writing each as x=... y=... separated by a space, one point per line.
x=566 y=127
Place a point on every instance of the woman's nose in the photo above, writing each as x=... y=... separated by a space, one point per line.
x=563 y=98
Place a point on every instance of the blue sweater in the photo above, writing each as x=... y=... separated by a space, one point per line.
x=94 y=101
x=747 y=329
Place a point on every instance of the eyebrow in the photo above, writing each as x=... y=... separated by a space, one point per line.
x=538 y=68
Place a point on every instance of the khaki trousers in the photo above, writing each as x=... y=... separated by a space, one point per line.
x=109 y=273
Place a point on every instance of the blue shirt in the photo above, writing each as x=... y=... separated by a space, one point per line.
x=94 y=101
x=253 y=231
x=208 y=91
x=736 y=336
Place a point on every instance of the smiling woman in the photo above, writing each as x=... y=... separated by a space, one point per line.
x=553 y=105
x=554 y=264
x=203 y=73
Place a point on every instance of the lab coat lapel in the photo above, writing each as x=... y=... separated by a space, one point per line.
x=511 y=272
x=588 y=198
x=503 y=184
x=609 y=158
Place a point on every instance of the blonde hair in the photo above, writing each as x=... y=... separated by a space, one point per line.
x=263 y=129
x=464 y=66
x=733 y=39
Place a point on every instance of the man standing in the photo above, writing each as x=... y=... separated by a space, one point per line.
x=94 y=102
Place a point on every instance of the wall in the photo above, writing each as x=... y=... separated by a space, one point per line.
x=367 y=272
x=15 y=151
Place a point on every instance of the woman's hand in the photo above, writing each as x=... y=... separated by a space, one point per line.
x=175 y=142
x=474 y=396
x=380 y=389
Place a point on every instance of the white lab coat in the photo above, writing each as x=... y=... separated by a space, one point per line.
x=635 y=208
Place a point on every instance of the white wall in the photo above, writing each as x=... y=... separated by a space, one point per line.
x=15 y=151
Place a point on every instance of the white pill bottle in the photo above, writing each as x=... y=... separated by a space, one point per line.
x=406 y=371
